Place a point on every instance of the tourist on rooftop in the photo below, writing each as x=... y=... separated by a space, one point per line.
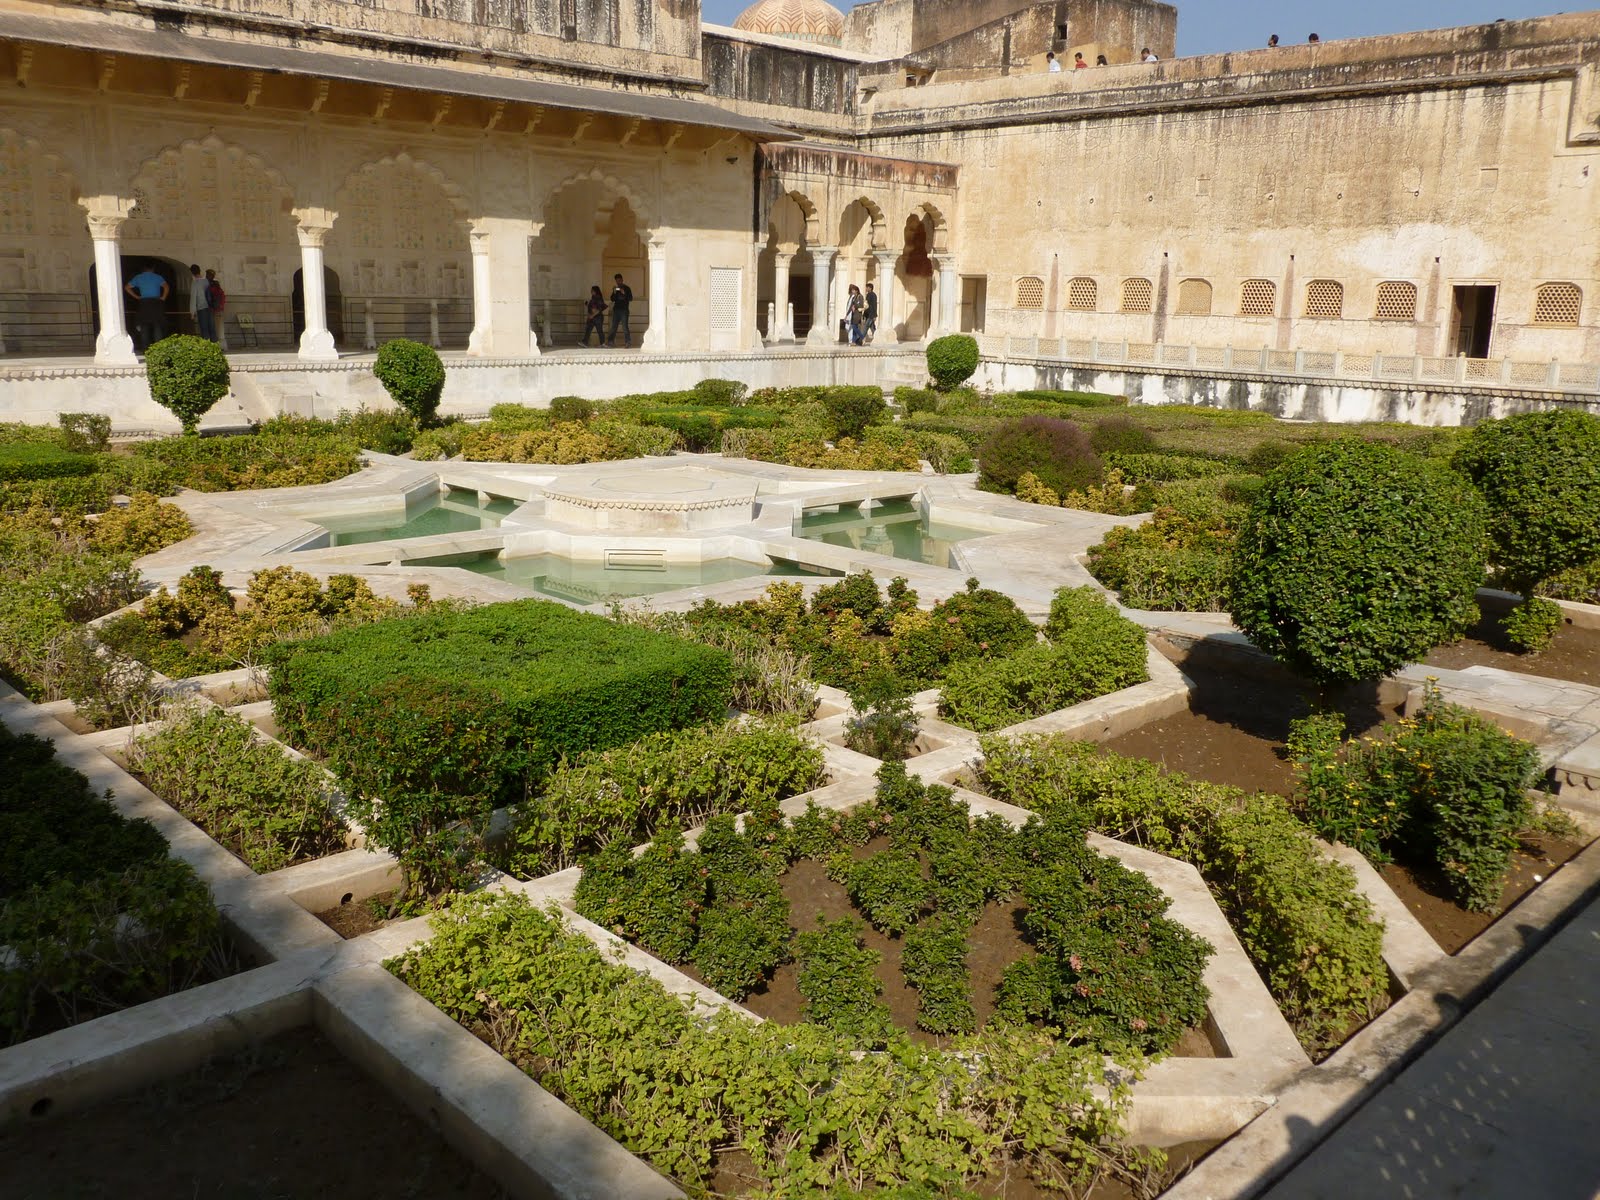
x=1313 y=40
x=1100 y=61
x=1078 y=60
x=1050 y=63
x=1148 y=55
x=1273 y=40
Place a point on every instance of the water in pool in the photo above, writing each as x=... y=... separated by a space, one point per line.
x=588 y=582
x=893 y=527
x=448 y=512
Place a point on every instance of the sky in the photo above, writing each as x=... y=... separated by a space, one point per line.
x=1206 y=26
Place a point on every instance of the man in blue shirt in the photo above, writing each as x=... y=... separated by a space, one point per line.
x=150 y=290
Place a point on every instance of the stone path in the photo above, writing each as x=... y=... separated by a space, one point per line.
x=1503 y=1106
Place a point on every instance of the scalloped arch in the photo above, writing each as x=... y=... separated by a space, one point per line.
x=215 y=145
x=55 y=161
x=606 y=180
x=876 y=220
x=407 y=161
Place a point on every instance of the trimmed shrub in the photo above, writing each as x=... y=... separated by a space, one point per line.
x=285 y=457
x=1531 y=625
x=852 y=409
x=1072 y=399
x=22 y=462
x=441 y=718
x=952 y=359
x=413 y=375
x=1057 y=452
x=935 y=964
x=1121 y=435
x=721 y=391
x=85 y=433
x=838 y=983
x=913 y=400
x=1299 y=915
x=1357 y=559
x=143 y=526
x=1540 y=474
x=570 y=408
x=187 y=375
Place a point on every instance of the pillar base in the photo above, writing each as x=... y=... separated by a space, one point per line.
x=114 y=350
x=654 y=340
x=317 y=346
x=478 y=343
x=885 y=336
x=820 y=336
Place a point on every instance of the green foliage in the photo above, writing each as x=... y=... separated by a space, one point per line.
x=852 y=409
x=1531 y=626
x=93 y=913
x=1300 y=916
x=935 y=964
x=142 y=526
x=1580 y=583
x=187 y=375
x=889 y=889
x=1120 y=435
x=1178 y=560
x=107 y=689
x=1448 y=789
x=1110 y=963
x=289 y=456
x=1154 y=467
x=837 y=980
x=952 y=359
x=913 y=400
x=1057 y=452
x=1093 y=650
x=431 y=445
x=1072 y=399
x=1357 y=559
x=440 y=718
x=721 y=391
x=675 y=777
x=413 y=375
x=570 y=408
x=1540 y=474
x=882 y=723
x=271 y=810
x=27 y=461
x=681 y=1092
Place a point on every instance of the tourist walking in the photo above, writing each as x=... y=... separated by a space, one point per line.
x=199 y=305
x=621 y=298
x=594 y=311
x=217 y=301
x=853 y=315
x=1050 y=63
x=869 y=315
x=150 y=317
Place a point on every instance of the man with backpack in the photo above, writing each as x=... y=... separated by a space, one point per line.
x=621 y=297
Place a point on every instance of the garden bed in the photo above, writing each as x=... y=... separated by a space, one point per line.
x=1574 y=655
x=289 y=1117
x=352 y=918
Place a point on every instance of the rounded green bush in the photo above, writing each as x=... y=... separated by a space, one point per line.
x=952 y=359
x=1121 y=435
x=570 y=408
x=1056 y=451
x=187 y=375
x=1531 y=626
x=413 y=375
x=852 y=409
x=1540 y=473
x=1356 y=559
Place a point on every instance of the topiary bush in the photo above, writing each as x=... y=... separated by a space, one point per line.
x=413 y=375
x=570 y=408
x=1356 y=559
x=952 y=359
x=1056 y=452
x=187 y=375
x=1540 y=474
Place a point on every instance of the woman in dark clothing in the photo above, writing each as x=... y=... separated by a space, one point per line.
x=595 y=316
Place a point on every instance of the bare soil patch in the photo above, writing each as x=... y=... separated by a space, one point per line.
x=353 y=918
x=289 y=1118
x=1423 y=891
x=1574 y=655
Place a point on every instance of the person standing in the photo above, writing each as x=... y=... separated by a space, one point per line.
x=621 y=298
x=200 y=304
x=1272 y=42
x=594 y=319
x=853 y=315
x=869 y=314
x=149 y=321
x=1148 y=55
x=1100 y=60
x=1078 y=62
x=1050 y=63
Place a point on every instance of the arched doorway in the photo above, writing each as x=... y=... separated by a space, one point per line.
x=175 y=310
x=593 y=230
x=861 y=231
x=784 y=269
x=914 y=278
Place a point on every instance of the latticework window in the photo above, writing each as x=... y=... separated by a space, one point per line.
x=1325 y=298
x=1557 y=304
x=1136 y=295
x=1083 y=295
x=1258 y=298
x=1194 y=298
x=1397 y=301
x=725 y=287
x=1030 y=292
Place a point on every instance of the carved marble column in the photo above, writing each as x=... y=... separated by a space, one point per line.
x=655 y=334
x=822 y=326
x=949 y=297
x=316 y=341
x=886 y=335
x=781 y=330
x=478 y=340
x=113 y=346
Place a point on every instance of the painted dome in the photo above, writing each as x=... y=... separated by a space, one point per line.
x=802 y=20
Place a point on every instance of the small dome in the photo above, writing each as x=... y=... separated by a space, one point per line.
x=802 y=20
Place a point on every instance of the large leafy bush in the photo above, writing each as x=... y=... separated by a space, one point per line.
x=852 y=409
x=1054 y=451
x=952 y=359
x=413 y=375
x=187 y=376
x=1356 y=559
x=1540 y=473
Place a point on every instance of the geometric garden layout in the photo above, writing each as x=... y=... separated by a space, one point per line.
x=719 y=521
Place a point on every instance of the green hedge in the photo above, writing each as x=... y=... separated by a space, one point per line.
x=1299 y=915
x=393 y=703
x=187 y=375
x=26 y=461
